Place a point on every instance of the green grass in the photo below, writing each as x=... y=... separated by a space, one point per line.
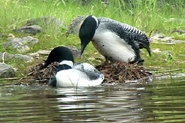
x=147 y=15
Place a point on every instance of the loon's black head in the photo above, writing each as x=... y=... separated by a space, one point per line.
x=59 y=54
x=87 y=30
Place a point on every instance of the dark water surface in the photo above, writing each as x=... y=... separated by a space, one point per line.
x=158 y=101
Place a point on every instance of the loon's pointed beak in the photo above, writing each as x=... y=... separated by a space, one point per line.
x=147 y=48
x=149 y=51
x=84 y=43
x=82 y=49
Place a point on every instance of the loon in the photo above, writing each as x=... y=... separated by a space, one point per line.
x=69 y=74
x=116 y=41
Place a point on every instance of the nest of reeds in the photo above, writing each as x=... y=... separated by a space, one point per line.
x=114 y=72
x=118 y=72
x=35 y=74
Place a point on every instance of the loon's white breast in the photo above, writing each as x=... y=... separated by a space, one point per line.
x=112 y=46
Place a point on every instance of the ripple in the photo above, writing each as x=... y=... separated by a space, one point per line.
x=161 y=100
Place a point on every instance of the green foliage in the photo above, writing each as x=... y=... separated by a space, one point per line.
x=147 y=15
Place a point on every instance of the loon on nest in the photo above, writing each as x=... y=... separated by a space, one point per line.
x=68 y=75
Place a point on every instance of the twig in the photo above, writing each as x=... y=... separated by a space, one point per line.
x=13 y=78
x=3 y=56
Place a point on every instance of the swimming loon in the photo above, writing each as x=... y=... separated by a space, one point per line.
x=116 y=41
x=67 y=74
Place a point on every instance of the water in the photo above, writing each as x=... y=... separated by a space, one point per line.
x=160 y=101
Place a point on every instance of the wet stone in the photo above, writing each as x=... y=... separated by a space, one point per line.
x=6 y=71
x=21 y=44
x=75 y=24
x=33 y=29
x=4 y=57
x=47 y=23
x=181 y=32
x=42 y=24
x=160 y=38
x=74 y=50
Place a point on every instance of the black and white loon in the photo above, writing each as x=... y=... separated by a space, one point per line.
x=69 y=74
x=116 y=41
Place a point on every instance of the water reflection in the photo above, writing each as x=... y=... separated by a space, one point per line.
x=166 y=101
x=99 y=104
x=154 y=102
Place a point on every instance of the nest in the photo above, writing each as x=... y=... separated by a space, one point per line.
x=41 y=75
x=118 y=72
x=114 y=72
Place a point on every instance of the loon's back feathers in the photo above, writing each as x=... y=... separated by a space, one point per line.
x=90 y=70
x=127 y=28
x=127 y=32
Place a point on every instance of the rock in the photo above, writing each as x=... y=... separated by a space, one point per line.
x=157 y=36
x=160 y=38
x=4 y=57
x=40 y=52
x=156 y=50
x=20 y=47
x=181 y=32
x=21 y=44
x=36 y=55
x=75 y=25
x=33 y=29
x=6 y=71
x=2 y=35
x=89 y=2
x=43 y=52
x=26 y=40
x=74 y=50
x=47 y=23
